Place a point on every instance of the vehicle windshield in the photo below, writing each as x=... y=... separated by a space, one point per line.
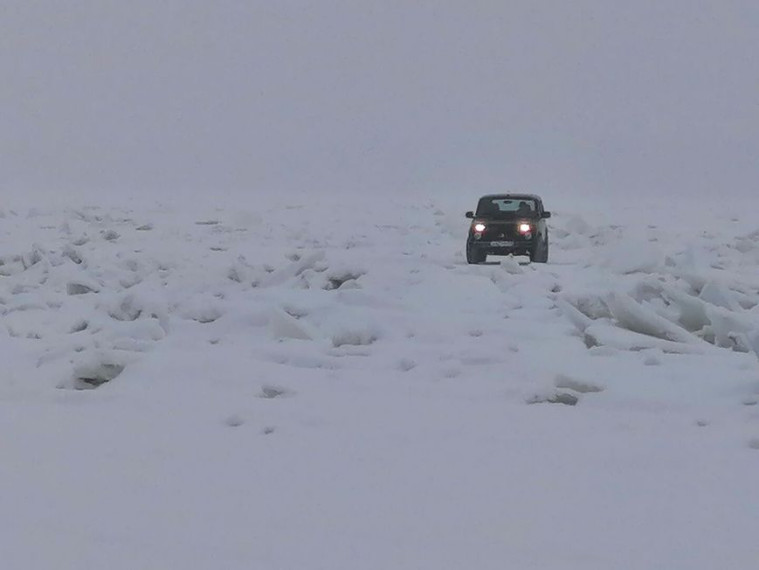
x=506 y=208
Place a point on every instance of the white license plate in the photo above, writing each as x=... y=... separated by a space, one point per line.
x=501 y=243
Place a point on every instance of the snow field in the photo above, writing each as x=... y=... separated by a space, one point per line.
x=295 y=387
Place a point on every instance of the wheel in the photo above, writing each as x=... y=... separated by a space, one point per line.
x=540 y=253
x=474 y=255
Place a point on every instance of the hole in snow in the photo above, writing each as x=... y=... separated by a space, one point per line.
x=269 y=392
x=235 y=420
x=70 y=253
x=126 y=311
x=335 y=280
x=93 y=376
x=78 y=289
x=556 y=398
x=80 y=326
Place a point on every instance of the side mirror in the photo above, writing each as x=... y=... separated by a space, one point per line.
x=546 y=214
x=469 y=215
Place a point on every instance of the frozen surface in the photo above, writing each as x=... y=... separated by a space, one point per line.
x=326 y=384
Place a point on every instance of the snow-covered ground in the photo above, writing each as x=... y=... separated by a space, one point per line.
x=310 y=383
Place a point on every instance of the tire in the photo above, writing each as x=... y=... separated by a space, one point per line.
x=474 y=255
x=540 y=253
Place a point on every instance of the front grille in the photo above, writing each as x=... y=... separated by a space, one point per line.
x=498 y=232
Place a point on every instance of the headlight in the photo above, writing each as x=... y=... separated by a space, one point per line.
x=525 y=228
x=479 y=227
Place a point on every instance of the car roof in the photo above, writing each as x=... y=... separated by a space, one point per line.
x=513 y=196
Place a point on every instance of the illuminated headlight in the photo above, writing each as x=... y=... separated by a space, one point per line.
x=525 y=228
x=479 y=227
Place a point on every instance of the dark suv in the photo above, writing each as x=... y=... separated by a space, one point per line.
x=508 y=224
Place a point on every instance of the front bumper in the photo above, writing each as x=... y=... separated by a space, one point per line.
x=503 y=247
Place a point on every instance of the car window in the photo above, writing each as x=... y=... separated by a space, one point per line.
x=505 y=206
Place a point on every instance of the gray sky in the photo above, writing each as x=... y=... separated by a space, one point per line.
x=604 y=97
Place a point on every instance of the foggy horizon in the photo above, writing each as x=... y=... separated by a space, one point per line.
x=177 y=98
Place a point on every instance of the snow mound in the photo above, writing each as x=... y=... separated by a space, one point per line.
x=577 y=385
x=633 y=257
x=283 y=326
x=636 y=317
x=356 y=334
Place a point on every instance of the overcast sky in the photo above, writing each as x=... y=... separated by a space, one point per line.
x=606 y=97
